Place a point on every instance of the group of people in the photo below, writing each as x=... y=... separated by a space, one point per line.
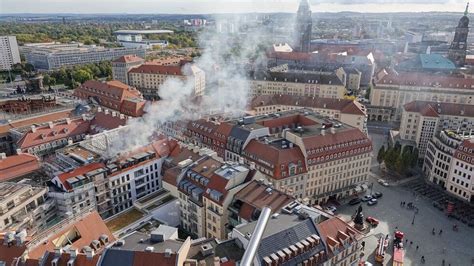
x=409 y=205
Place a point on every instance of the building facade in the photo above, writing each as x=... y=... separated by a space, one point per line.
x=9 y=54
x=23 y=206
x=149 y=77
x=53 y=56
x=123 y=64
x=421 y=121
x=304 y=27
x=461 y=174
x=297 y=83
x=393 y=90
x=347 y=111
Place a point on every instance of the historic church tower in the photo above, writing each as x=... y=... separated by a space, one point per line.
x=304 y=24
x=457 y=50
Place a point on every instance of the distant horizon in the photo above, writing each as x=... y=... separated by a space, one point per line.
x=210 y=7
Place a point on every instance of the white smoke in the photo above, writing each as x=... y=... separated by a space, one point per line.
x=224 y=58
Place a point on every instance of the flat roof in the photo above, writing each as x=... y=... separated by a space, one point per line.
x=123 y=32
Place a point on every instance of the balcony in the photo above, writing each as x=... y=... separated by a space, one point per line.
x=213 y=211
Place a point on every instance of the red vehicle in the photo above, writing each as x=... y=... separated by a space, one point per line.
x=372 y=221
x=398 y=252
x=381 y=248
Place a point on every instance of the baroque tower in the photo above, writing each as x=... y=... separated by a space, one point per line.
x=457 y=50
x=304 y=24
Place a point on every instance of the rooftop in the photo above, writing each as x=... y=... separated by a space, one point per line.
x=426 y=80
x=435 y=109
x=123 y=32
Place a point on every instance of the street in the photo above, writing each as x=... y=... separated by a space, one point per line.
x=459 y=245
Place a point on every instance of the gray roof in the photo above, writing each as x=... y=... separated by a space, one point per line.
x=283 y=231
x=114 y=257
x=298 y=77
x=133 y=242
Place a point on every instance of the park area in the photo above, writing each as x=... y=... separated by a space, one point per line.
x=122 y=220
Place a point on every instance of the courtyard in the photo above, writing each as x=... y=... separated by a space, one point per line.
x=456 y=248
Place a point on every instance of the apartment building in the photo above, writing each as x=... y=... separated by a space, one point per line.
x=205 y=191
x=114 y=95
x=23 y=206
x=6 y=142
x=123 y=64
x=50 y=56
x=83 y=181
x=299 y=83
x=421 y=121
x=394 y=90
x=305 y=154
x=9 y=54
x=342 y=241
x=77 y=240
x=149 y=77
x=460 y=180
x=347 y=111
x=439 y=153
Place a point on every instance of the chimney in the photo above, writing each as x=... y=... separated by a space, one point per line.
x=333 y=130
x=68 y=121
x=33 y=129
x=50 y=124
x=3 y=156
x=20 y=237
x=99 y=109
x=73 y=252
x=88 y=251
x=106 y=111
x=114 y=114
x=168 y=253
x=84 y=117
x=58 y=251
x=122 y=116
x=18 y=151
x=323 y=132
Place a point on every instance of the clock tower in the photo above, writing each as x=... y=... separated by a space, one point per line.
x=457 y=50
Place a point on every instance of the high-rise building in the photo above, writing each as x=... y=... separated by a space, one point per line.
x=123 y=64
x=304 y=24
x=457 y=50
x=9 y=54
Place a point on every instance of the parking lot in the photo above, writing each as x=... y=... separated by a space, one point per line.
x=456 y=248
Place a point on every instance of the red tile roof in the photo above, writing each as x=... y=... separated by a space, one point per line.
x=63 y=177
x=435 y=109
x=150 y=68
x=465 y=151
x=111 y=89
x=297 y=56
x=255 y=196
x=426 y=80
x=274 y=156
x=35 y=120
x=90 y=227
x=8 y=254
x=334 y=231
x=128 y=59
x=107 y=121
x=45 y=134
x=18 y=165
x=342 y=105
x=80 y=260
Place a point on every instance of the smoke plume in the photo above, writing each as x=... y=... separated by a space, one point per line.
x=228 y=50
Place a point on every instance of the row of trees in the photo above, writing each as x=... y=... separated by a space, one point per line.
x=398 y=159
x=73 y=77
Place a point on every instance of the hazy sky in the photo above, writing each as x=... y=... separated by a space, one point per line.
x=223 y=6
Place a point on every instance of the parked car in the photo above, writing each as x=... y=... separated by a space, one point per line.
x=372 y=202
x=383 y=182
x=366 y=198
x=377 y=195
x=354 y=201
x=371 y=220
x=330 y=208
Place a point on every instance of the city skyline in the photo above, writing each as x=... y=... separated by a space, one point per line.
x=226 y=6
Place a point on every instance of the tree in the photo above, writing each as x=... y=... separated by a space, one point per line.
x=81 y=75
x=381 y=154
x=414 y=157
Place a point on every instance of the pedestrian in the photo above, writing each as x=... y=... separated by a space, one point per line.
x=422 y=259
x=440 y=231
x=406 y=240
x=411 y=243
x=416 y=247
x=433 y=231
x=442 y=262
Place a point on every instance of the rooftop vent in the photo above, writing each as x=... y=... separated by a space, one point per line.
x=206 y=249
x=149 y=249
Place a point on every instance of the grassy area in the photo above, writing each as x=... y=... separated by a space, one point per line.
x=124 y=219
x=160 y=202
